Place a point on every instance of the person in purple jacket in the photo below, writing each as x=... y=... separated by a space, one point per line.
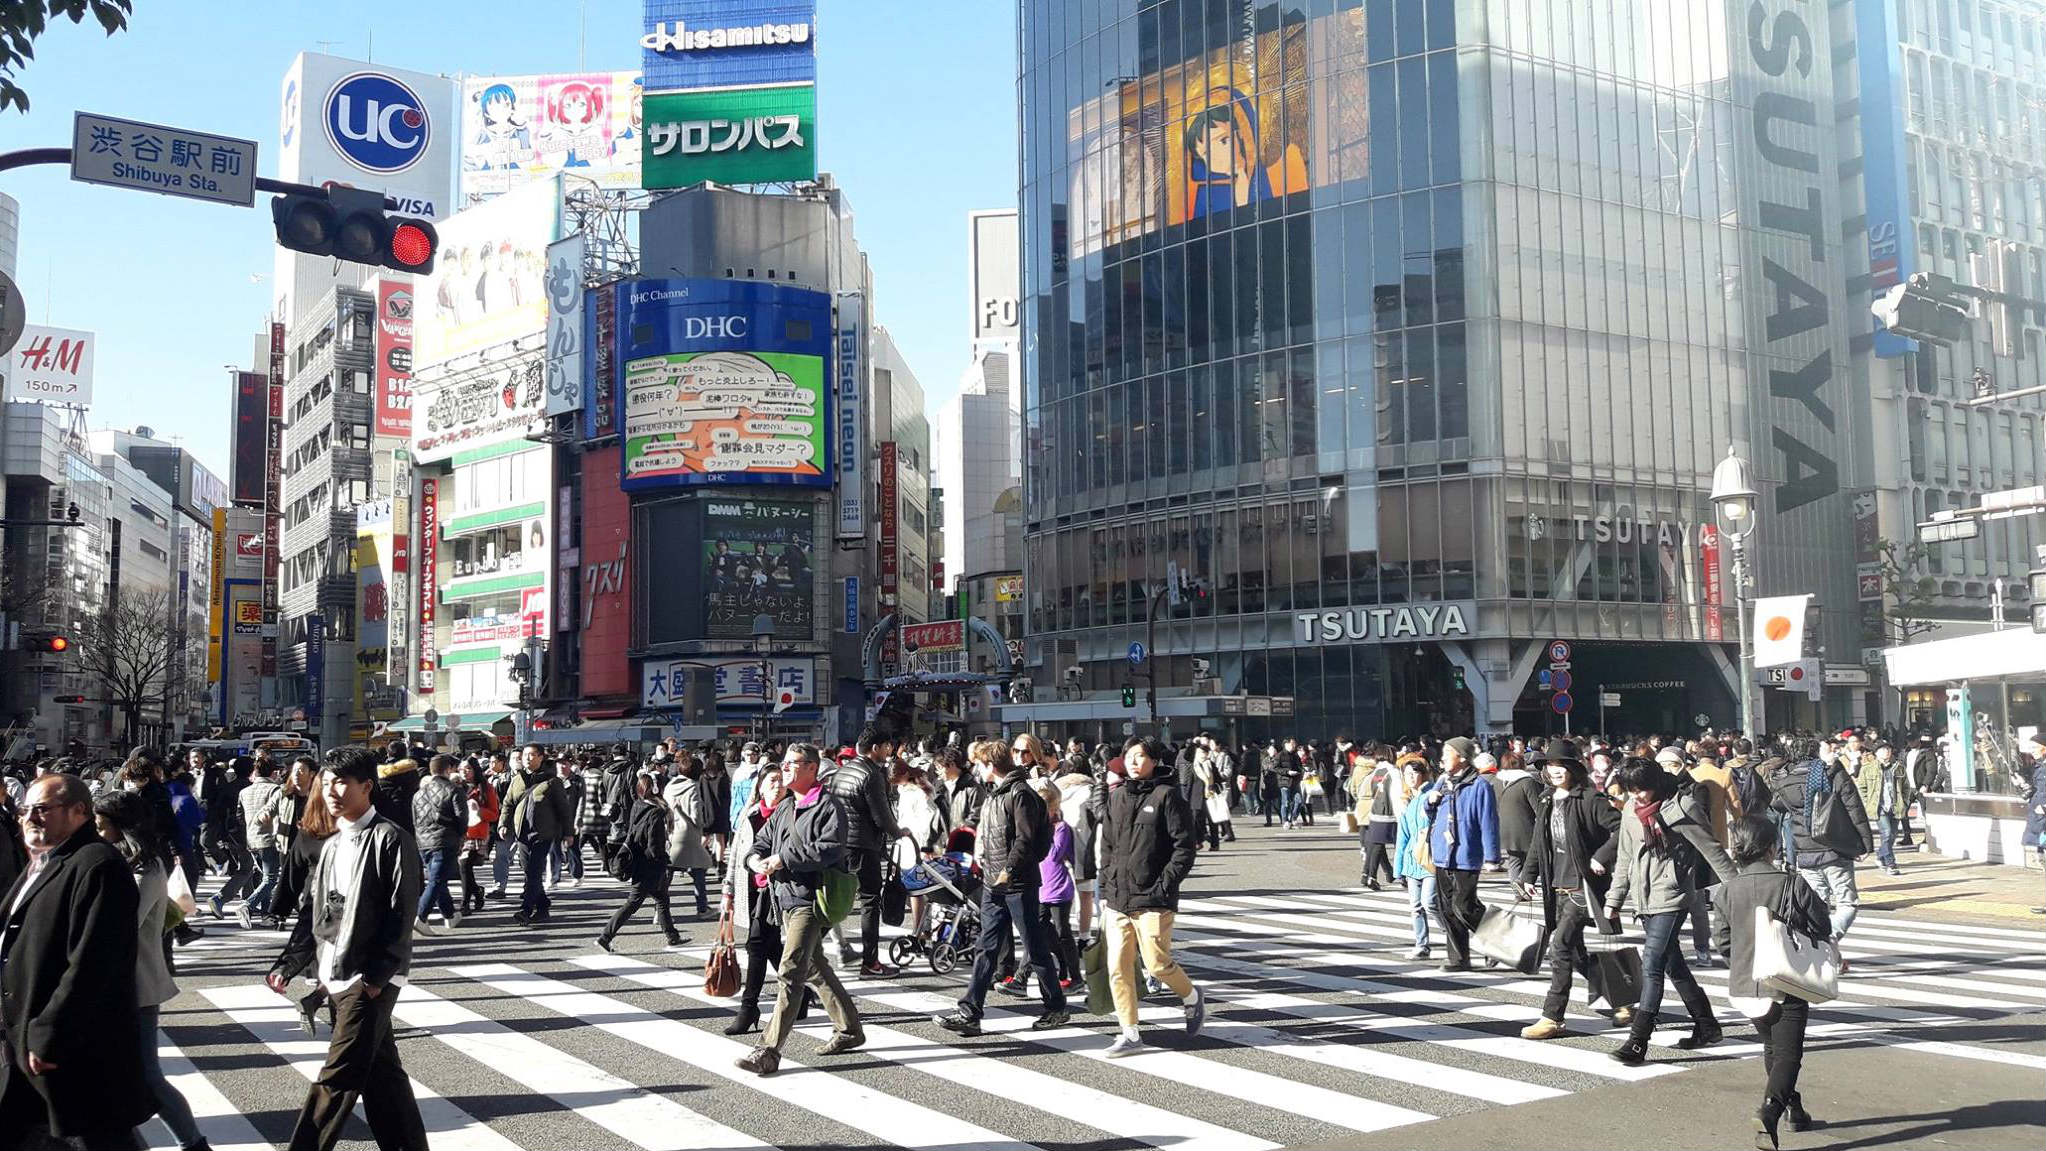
x=1463 y=837
x=1055 y=892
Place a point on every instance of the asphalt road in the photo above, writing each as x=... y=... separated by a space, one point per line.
x=1320 y=1033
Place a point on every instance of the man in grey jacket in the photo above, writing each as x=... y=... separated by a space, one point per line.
x=360 y=896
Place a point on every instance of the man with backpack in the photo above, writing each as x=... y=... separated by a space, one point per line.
x=1015 y=836
x=1816 y=802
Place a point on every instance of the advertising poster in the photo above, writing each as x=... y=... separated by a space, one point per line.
x=375 y=699
x=759 y=559
x=488 y=404
x=244 y=643
x=429 y=578
x=520 y=129
x=850 y=389
x=722 y=381
x=707 y=43
x=731 y=136
x=565 y=325
x=1009 y=589
x=486 y=288
x=394 y=358
x=251 y=438
x=52 y=365
x=1879 y=65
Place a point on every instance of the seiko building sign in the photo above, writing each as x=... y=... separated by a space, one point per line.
x=1419 y=621
x=728 y=43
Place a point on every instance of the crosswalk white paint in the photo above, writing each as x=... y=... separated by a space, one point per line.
x=220 y=1121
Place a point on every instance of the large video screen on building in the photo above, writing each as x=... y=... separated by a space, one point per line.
x=758 y=559
x=722 y=382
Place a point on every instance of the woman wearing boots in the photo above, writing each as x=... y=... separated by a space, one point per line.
x=747 y=900
x=646 y=866
x=1757 y=882
x=1666 y=849
x=1572 y=853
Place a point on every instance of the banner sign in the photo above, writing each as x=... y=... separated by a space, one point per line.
x=565 y=325
x=520 y=129
x=730 y=136
x=709 y=43
x=273 y=493
x=1708 y=558
x=944 y=635
x=852 y=605
x=53 y=365
x=722 y=381
x=600 y=414
x=490 y=403
x=429 y=577
x=485 y=287
x=758 y=559
x=740 y=682
x=216 y=608
x=852 y=438
x=394 y=358
x=890 y=561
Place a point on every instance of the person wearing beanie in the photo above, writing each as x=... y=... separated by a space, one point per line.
x=1463 y=836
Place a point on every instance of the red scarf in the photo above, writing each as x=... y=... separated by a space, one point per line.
x=1651 y=824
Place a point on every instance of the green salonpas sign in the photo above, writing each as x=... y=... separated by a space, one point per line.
x=729 y=135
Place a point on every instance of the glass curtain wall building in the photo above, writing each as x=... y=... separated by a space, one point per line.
x=1402 y=337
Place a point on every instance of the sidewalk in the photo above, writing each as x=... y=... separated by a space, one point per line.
x=1942 y=889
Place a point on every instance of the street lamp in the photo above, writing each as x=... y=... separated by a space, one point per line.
x=763 y=646
x=1735 y=501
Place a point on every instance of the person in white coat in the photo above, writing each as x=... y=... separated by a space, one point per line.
x=688 y=818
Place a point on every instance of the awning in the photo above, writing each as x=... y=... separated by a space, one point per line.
x=1989 y=655
x=465 y=721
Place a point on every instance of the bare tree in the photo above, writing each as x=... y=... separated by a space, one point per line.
x=126 y=648
x=1910 y=594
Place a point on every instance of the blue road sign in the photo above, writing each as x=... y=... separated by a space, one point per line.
x=1560 y=703
x=1137 y=654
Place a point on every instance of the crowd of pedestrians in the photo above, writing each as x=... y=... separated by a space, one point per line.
x=798 y=853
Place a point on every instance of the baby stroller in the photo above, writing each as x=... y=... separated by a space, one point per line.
x=945 y=932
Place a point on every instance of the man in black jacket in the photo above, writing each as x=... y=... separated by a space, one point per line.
x=1813 y=795
x=1148 y=845
x=360 y=897
x=440 y=822
x=861 y=784
x=1572 y=854
x=1015 y=834
x=73 y=1075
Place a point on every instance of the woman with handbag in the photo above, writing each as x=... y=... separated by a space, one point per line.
x=483 y=813
x=643 y=861
x=1412 y=863
x=1572 y=854
x=748 y=921
x=1666 y=839
x=1792 y=907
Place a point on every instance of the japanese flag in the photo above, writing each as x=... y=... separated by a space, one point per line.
x=1779 y=629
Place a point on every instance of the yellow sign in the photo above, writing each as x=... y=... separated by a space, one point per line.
x=216 y=609
x=248 y=611
x=1008 y=589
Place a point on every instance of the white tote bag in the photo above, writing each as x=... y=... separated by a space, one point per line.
x=1793 y=964
x=1218 y=807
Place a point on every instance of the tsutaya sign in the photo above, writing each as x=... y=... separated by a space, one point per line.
x=1401 y=621
x=1608 y=529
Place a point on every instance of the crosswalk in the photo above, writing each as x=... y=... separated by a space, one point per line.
x=1319 y=1028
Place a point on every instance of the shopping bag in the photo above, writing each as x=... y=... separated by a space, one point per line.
x=1310 y=785
x=836 y=893
x=721 y=970
x=1511 y=934
x=1218 y=807
x=1349 y=822
x=1615 y=976
x=1094 y=965
x=1794 y=964
x=180 y=892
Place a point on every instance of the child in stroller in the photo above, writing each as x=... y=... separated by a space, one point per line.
x=947 y=890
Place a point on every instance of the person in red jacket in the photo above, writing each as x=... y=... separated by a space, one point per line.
x=483 y=812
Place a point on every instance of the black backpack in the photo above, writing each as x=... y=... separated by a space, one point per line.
x=1749 y=791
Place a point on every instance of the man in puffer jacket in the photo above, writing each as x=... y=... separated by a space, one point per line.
x=397 y=783
x=440 y=821
x=1148 y=847
x=861 y=785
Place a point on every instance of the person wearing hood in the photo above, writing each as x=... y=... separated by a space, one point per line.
x=646 y=866
x=1667 y=852
x=397 y=783
x=1514 y=790
x=1572 y=854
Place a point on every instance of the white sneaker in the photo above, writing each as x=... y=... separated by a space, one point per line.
x=1125 y=1044
x=454 y=920
x=422 y=927
x=571 y=883
x=1418 y=953
x=242 y=916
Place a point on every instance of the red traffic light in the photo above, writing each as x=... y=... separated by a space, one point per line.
x=67 y=699
x=412 y=247
x=46 y=641
x=350 y=224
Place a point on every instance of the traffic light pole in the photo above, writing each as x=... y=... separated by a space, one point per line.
x=1151 y=653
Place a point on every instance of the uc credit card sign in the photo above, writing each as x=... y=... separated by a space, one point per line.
x=722 y=381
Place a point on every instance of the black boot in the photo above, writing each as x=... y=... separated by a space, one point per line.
x=1705 y=1031
x=747 y=1018
x=1634 y=1051
x=1800 y=1119
x=1766 y=1118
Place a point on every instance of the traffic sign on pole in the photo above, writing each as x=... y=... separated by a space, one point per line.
x=1560 y=703
x=1560 y=680
x=1137 y=654
x=1559 y=651
x=155 y=158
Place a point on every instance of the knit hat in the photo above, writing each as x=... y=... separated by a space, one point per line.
x=1463 y=747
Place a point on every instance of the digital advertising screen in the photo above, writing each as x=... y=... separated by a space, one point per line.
x=722 y=381
x=759 y=559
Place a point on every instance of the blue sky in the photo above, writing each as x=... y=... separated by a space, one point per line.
x=917 y=121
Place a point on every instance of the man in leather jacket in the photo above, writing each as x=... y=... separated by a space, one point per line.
x=861 y=784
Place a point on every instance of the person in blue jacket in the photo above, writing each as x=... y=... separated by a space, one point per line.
x=1463 y=838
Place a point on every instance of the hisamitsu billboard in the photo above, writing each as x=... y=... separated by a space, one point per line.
x=727 y=43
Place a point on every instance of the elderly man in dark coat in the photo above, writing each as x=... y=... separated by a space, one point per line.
x=73 y=1072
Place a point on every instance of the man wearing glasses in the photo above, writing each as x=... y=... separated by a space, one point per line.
x=73 y=1072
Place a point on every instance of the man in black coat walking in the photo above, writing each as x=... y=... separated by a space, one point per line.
x=73 y=1073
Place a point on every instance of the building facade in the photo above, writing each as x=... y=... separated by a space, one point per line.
x=1402 y=339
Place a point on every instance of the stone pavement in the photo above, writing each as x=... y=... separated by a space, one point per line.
x=1952 y=890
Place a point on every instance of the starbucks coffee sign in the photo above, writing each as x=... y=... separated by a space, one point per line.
x=1418 y=621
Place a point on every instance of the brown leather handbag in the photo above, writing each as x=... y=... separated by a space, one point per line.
x=721 y=970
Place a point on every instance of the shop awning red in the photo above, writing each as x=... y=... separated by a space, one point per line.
x=605 y=712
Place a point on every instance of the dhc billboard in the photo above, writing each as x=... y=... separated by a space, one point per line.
x=728 y=43
x=722 y=382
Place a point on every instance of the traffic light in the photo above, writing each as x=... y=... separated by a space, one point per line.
x=45 y=641
x=350 y=224
x=1923 y=308
x=2035 y=581
x=67 y=699
x=1456 y=679
x=1129 y=696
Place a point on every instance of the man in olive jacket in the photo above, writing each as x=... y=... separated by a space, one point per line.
x=1148 y=845
x=536 y=814
x=73 y=1070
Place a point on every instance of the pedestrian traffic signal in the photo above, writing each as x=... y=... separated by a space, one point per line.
x=350 y=224
x=1129 y=696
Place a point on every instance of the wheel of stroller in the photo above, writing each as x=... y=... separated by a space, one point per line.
x=944 y=958
x=902 y=950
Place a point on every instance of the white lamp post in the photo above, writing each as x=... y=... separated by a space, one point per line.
x=1735 y=502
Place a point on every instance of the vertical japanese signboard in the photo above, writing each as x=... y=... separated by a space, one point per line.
x=564 y=286
x=1708 y=558
x=890 y=561
x=273 y=496
x=429 y=576
x=394 y=359
x=601 y=415
x=852 y=440
x=216 y=607
x=1868 y=572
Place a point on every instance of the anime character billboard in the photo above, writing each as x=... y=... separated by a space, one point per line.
x=518 y=129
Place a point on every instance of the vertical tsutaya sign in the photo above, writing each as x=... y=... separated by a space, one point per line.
x=1878 y=59
x=730 y=136
x=564 y=286
x=890 y=562
x=852 y=440
x=429 y=576
x=394 y=358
